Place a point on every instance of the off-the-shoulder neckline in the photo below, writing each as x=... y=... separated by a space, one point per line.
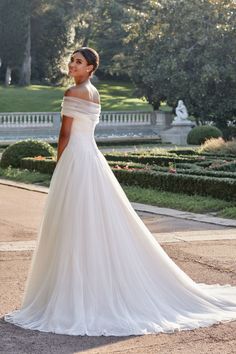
x=82 y=99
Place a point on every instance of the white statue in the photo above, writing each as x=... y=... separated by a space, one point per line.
x=181 y=112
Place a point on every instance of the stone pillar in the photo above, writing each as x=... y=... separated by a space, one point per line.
x=178 y=132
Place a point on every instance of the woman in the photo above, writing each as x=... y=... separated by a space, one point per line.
x=97 y=270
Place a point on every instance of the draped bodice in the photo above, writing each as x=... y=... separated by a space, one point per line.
x=75 y=107
x=86 y=116
x=79 y=108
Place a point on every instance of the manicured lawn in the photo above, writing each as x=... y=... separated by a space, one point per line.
x=25 y=176
x=191 y=203
x=37 y=98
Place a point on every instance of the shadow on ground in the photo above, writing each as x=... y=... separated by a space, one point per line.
x=217 y=339
x=15 y=340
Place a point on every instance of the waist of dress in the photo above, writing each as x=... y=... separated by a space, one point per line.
x=83 y=143
x=82 y=136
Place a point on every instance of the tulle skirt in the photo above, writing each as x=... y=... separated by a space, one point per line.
x=97 y=270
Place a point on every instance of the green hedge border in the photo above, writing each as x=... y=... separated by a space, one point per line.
x=221 y=188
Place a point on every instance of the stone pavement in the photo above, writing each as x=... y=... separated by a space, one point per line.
x=203 y=246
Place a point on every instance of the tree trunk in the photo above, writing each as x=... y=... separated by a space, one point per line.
x=8 y=76
x=25 y=74
x=85 y=42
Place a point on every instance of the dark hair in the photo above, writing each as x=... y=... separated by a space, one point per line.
x=90 y=55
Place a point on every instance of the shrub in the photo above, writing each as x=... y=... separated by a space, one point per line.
x=183 y=151
x=13 y=154
x=212 y=145
x=224 y=166
x=162 y=160
x=42 y=165
x=219 y=146
x=222 y=188
x=47 y=165
x=198 y=135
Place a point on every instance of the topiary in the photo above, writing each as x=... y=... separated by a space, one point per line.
x=198 y=135
x=13 y=154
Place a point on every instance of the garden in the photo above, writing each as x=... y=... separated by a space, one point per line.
x=198 y=179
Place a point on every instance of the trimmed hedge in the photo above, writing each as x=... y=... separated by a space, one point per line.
x=183 y=152
x=224 y=166
x=221 y=188
x=48 y=165
x=13 y=154
x=157 y=159
x=198 y=135
x=188 y=179
x=44 y=166
x=126 y=164
x=131 y=141
x=197 y=172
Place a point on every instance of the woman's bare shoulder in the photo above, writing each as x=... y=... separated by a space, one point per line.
x=84 y=93
x=96 y=94
x=71 y=91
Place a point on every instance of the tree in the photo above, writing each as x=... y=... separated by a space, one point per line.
x=25 y=74
x=52 y=34
x=102 y=24
x=37 y=29
x=13 y=26
x=186 y=50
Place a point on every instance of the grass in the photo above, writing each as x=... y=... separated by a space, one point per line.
x=195 y=204
x=19 y=175
x=38 y=98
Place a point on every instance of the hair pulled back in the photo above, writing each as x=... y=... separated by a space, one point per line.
x=90 y=55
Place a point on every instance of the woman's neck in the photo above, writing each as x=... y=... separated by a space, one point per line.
x=82 y=82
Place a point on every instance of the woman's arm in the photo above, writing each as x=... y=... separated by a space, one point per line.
x=64 y=135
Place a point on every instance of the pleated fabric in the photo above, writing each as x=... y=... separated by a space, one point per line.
x=97 y=270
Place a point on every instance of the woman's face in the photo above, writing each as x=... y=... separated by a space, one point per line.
x=78 y=66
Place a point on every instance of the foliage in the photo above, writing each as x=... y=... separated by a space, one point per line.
x=52 y=36
x=188 y=56
x=192 y=203
x=218 y=145
x=43 y=165
x=224 y=166
x=200 y=134
x=13 y=154
x=148 y=158
x=218 y=168
x=24 y=175
x=197 y=174
x=222 y=188
x=49 y=27
x=229 y=132
x=13 y=29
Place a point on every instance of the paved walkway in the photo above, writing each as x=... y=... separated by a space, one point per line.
x=202 y=245
x=33 y=197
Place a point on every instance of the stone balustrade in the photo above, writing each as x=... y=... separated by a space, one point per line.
x=47 y=124
x=125 y=118
x=34 y=119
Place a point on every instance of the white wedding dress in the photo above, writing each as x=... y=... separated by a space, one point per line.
x=97 y=269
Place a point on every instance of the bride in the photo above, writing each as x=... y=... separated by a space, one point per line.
x=97 y=270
